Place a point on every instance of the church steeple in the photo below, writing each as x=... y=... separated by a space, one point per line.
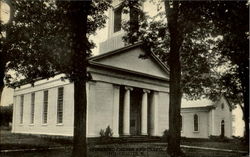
x=115 y=19
x=115 y=32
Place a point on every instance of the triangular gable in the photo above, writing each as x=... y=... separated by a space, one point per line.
x=224 y=100
x=128 y=59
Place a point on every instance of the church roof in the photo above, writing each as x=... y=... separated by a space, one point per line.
x=134 y=58
x=120 y=50
x=109 y=53
x=97 y=60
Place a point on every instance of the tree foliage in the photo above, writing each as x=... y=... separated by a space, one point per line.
x=211 y=43
x=196 y=50
x=231 y=21
x=47 y=37
x=205 y=47
x=41 y=33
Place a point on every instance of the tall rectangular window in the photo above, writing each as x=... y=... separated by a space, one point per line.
x=117 y=19
x=21 y=109
x=222 y=106
x=60 y=106
x=45 y=107
x=181 y=123
x=196 y=122
x=32 y=108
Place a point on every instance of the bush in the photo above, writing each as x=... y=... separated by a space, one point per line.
x=238 y=138
x=165 y=135
x=6 y=115
x=102 y=133
x=106 y=136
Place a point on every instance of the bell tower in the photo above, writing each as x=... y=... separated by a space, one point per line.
x=115 y=32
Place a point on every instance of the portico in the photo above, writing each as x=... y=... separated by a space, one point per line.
x=138 y=108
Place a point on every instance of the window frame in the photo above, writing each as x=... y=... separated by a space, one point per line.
x=60 y=103
x=119 y=23
x=222 y=106
x=21 y=108
x=45 y=104
x=181 y=123
x=32 y=108
x=196 y=121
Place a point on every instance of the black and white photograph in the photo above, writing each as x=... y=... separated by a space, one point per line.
x=124 y=78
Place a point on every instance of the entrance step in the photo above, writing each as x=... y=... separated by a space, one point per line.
x=139 y=139
x=125 y=139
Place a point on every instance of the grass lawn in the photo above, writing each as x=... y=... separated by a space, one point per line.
x=16 y=141
x=50 y=153
x=233 y=144
x=158 y=152
x=206 y=153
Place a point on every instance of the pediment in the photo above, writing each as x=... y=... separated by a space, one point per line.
x=129 y=59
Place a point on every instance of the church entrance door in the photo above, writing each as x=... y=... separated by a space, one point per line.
x=135 y=112
x=222 y=128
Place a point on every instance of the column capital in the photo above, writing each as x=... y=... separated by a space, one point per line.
x=146 y=91
x=156 y=92
x=128 y=88
x=116 y=86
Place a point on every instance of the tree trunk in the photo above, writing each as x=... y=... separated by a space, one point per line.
x=1 y=83
x=246 y=116
x=244 y=78
x=79 y=11
x=175 y=103
x=79 y=139
x=176 y=40
x=1 y=91
x=2 y=73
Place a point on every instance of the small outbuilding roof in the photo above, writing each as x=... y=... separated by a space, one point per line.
x=196 y=103
x=203 y=103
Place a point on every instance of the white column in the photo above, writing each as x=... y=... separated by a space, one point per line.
x=144 y=112
x=154 y=115
x=14 y=115
x=126 y=111
x=116 y=111
x=91 y=105
x=87 y=112
x=212 y=123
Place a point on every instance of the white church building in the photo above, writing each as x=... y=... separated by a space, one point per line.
x=127 y=93
x=203 y=118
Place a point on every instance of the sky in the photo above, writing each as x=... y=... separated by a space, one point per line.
x=4 y=16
